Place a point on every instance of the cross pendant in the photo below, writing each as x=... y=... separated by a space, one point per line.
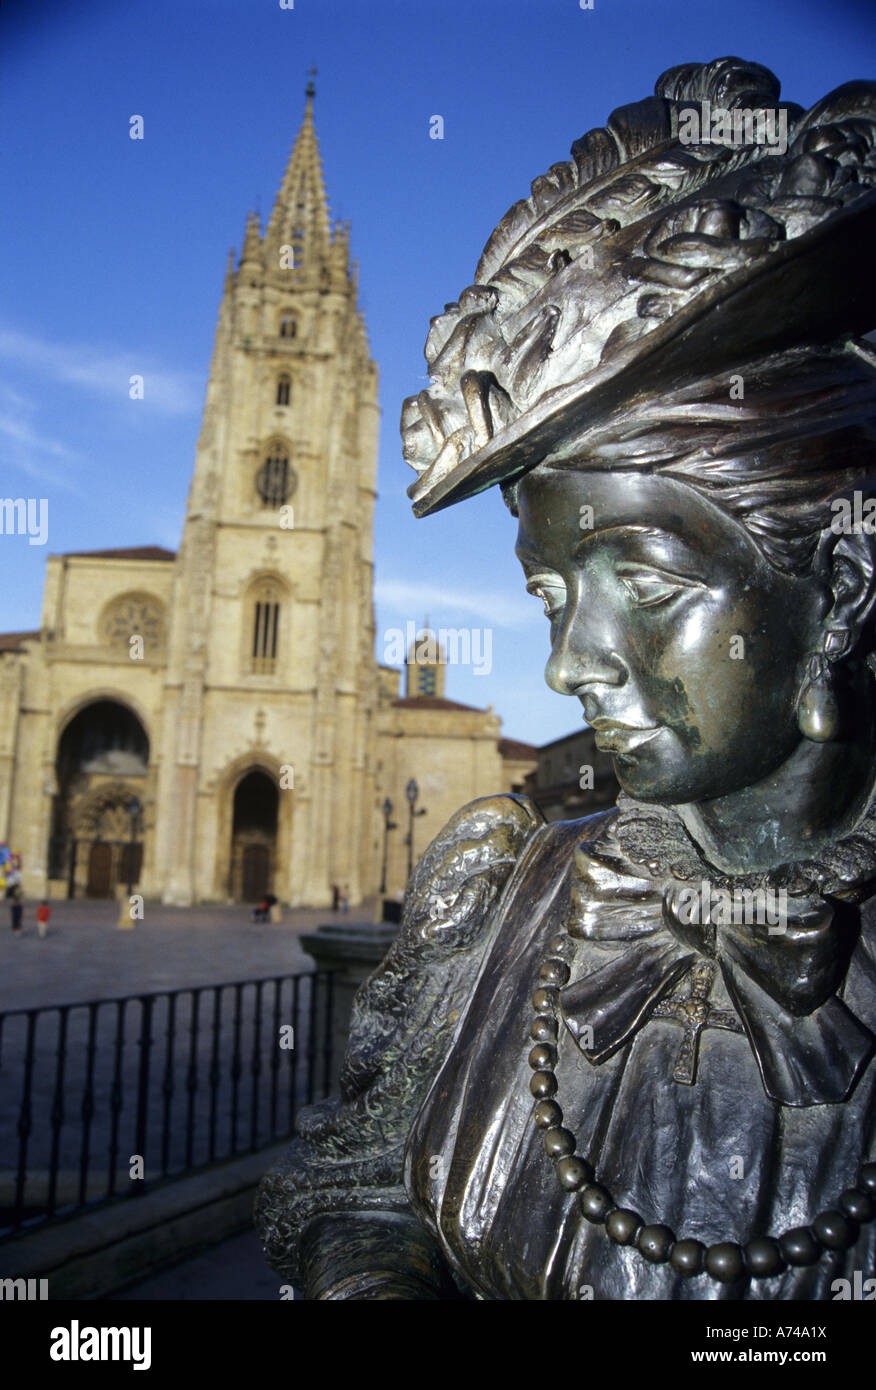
x=694 y=1012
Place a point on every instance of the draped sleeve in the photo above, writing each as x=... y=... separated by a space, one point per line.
x=333 y=1215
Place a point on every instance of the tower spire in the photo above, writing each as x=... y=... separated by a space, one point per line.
x=300 y=217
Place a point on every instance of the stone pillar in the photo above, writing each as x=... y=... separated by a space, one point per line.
x=179 y=890
x=354 y=950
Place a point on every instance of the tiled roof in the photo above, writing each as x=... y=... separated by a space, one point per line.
x=513 y=748
x=133 y=552
x=432 y=702
x=12 y=641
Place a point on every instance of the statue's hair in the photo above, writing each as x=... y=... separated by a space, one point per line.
x=772 y=444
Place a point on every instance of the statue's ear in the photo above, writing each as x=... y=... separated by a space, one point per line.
x=846 y=564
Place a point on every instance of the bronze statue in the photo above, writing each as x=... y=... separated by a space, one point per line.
x=632 y=1056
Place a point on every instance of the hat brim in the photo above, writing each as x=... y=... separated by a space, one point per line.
x=802 y=293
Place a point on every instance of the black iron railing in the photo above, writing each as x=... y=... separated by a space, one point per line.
x=105 y=1099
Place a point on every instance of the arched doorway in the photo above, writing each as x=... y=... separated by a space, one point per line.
x=101 y=769
x=253 y=837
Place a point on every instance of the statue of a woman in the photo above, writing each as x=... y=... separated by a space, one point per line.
x=632 y=1056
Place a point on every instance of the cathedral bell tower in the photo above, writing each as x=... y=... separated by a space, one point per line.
x=267 y=766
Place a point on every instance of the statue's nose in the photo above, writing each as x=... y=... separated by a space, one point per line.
x=577 y=661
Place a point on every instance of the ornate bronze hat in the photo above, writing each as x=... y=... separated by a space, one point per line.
x=645 y=263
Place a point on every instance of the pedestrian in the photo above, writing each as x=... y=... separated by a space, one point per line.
x=336 y=897
x=43 y=914
x=16 y=908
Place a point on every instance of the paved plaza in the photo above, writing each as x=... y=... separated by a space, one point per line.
x=86 y=956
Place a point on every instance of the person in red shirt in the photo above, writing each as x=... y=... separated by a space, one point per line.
x=43 y=914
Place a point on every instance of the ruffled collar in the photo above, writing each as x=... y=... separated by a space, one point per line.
x=785 y=985
x=655 y=837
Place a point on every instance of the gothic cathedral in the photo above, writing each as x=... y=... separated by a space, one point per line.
x=213 y=725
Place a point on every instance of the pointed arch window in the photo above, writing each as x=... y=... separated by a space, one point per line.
x=275 y=480
x=265 y=627
x=284 y=390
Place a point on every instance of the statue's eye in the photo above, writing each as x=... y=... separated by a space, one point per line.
x=647 y=588
x=552 y=595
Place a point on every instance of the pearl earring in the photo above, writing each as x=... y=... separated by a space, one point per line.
x=818 y=715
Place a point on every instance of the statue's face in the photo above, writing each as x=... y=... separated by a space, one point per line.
x=685 y=648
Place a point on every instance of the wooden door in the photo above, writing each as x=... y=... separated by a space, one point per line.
x=256 y=869
x=100 y=870
x=130 y=863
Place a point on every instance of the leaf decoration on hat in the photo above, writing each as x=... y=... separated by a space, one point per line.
x=620 y=238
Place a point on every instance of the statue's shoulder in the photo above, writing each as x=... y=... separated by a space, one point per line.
x=406 y=1013
x=465 y=866
x=498 y=822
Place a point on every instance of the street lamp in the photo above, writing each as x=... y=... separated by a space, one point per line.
x=388 y=824
x=134 y=807
x=412 y=791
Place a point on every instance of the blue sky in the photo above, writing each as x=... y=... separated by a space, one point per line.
x=114 y=250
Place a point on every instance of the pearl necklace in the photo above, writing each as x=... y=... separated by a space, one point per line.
x=761 y=1257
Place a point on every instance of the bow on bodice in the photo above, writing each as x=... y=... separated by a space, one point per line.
x=809 y=1046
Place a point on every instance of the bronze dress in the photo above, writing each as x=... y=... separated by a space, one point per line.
x=699 y=1069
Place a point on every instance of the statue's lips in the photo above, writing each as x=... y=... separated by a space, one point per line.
x=621 y=738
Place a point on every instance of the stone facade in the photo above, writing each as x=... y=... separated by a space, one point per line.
x=232 y=688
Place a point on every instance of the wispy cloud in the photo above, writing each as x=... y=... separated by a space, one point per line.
x=494 y=609
x=104 y=372
x=29 y=450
